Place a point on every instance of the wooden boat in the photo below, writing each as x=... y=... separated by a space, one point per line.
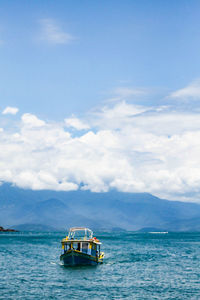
x=81 y=248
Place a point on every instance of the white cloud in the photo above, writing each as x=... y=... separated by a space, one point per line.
x=116 y=116
x=192 y=91
x=53 y=34
x=31 y=120
x=133 y=149
x=76 y=123
x=10 y=110
x=125 y=92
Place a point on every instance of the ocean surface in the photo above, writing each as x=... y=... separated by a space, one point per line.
x=136 y=266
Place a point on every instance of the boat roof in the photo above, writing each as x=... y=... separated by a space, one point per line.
x=80 y=233
x=79 y=228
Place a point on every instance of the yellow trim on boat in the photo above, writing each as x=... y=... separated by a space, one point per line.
x=65 y=240
x=85 y=254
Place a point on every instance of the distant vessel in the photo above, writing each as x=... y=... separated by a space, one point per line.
x=158 y=232
x=81 y=248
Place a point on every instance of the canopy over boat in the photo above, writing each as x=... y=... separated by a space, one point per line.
x=80 y=233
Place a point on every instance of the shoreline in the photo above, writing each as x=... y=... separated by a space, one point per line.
x=7 y=230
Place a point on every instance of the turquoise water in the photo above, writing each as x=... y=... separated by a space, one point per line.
x=136 y=266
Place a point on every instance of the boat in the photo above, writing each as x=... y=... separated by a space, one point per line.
x=158 y=232
x=81 y=248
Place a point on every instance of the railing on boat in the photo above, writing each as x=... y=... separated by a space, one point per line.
x=80 y=233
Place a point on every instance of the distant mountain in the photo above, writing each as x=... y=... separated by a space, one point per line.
x=111 y=210
x=34 y=227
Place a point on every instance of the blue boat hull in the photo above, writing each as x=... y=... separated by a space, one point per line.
x=74 y=258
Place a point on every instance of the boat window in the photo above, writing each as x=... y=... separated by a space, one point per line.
x=67 y=247
x=98 y=250
x=80 y=233
x=84 y=247
x=76 y=246
x=79 y=247
x=94 y=247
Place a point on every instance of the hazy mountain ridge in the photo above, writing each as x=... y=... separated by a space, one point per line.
x=60 y=210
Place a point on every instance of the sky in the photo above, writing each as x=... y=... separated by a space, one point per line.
x=100 y=95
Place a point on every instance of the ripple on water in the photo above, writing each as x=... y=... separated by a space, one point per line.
x=136 y=266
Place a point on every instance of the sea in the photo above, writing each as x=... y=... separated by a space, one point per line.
x=136 y=266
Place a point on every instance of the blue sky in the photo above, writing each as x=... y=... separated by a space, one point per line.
x=100 y=95
x=134 y=44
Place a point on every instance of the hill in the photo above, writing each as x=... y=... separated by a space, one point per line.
x=21 y=208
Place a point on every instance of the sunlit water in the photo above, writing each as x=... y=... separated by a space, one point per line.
x=136 y=266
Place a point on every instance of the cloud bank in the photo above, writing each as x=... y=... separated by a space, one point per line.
x=190 y=92
x=131 y=148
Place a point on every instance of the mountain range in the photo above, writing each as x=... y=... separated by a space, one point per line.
x=50 y=210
